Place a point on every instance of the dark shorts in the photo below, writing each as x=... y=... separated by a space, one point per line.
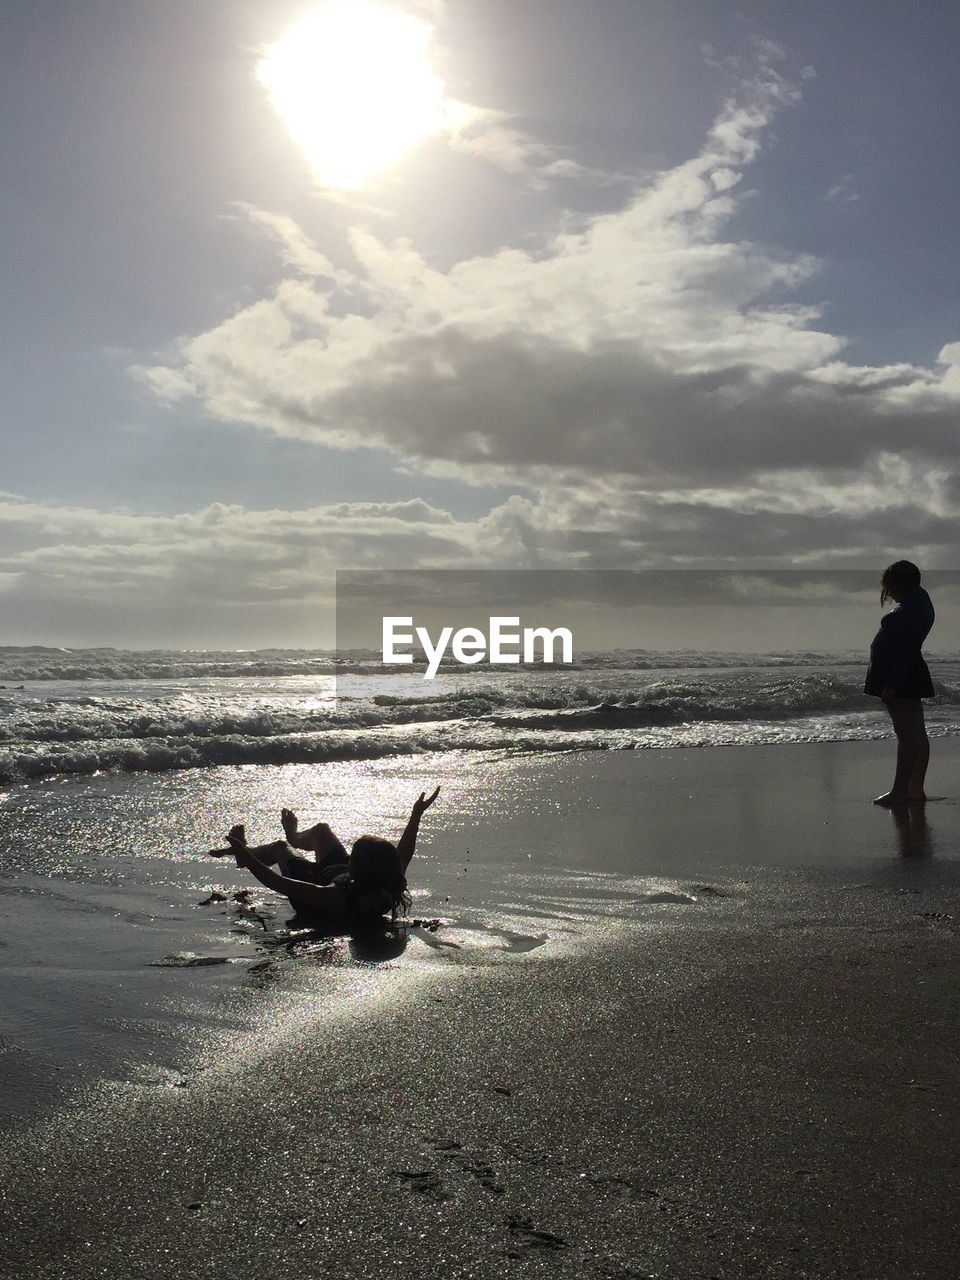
x=298 y=868
x=915 y=684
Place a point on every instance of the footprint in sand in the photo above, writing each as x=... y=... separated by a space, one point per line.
x=453 y=1150
x=448 y=1146
x=525 y=1155
x=425 y=1182
x=615 y=1186
x=525 y=1236
x=485 y=1177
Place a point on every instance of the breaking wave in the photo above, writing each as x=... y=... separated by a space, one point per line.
x=39 y=662
x=57 y=726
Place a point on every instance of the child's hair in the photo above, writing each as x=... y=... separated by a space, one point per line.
x=902 y=576
x=375 y=866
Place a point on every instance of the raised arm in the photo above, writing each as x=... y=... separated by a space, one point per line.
x=407 y=844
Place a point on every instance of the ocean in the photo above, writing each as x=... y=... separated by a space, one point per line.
x=84 y=712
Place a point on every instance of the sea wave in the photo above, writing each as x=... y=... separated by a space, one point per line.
x=25 y=762
x=109 y=664
x=127 y=725
x=37 y=662
x=571 y=707
x=70 y=721
x=662 y=702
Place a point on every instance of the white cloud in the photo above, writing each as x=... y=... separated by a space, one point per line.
x=93 y=576
x=228 y=576
x=644 y=378
x=297 y=250
x=492 y=136
x=843 y=192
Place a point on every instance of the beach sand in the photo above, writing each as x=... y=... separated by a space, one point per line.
x=749 y=1074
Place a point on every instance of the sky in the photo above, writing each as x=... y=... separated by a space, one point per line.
x=672 y=284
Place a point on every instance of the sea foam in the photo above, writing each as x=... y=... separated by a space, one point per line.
x=91 y=710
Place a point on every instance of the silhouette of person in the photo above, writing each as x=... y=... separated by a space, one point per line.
x=899 y=676
x=369 y=884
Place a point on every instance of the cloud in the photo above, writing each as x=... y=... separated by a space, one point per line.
x=842 y=192
x=644 y=380
x=492 y=136
x=297 y=250
x=273 y=547
x=227 y=576
x=188 y=576
x=91 y=576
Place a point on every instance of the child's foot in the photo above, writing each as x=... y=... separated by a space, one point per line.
x=891 y=798
x=236 y=835
x=316 y=839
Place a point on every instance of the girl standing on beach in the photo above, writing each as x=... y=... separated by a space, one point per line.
x=898 y=674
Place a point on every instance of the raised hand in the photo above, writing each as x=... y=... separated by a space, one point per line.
x=424 y=801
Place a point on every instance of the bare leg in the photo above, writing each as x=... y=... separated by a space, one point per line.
x=269 y=854
x=915 y=789
x=319 y=838
x=291 y=827
x=913 y=751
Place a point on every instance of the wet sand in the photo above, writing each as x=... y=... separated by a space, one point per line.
x=754 y=1078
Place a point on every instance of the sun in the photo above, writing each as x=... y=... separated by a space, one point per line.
x=353 y=84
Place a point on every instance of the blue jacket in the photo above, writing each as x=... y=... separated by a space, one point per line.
x=895 y=658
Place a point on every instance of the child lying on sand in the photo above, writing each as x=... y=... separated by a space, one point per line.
x=348 y=890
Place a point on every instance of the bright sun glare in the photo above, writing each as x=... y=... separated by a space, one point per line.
x=353 y=84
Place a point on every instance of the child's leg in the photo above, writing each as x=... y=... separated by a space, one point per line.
x=913 y=751
x=271 y=853
x=319 y=839
x=319 y=872
x=915 y=783
x=292 y=865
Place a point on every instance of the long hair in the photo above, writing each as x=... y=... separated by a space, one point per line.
x=902 y=576
x=375 y=867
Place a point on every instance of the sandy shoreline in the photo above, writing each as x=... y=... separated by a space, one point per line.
x=713 y=1102
x=755 y=1084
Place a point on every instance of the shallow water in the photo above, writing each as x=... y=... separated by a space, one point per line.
x=113 y=966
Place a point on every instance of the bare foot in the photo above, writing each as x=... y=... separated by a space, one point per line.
x=890 y=798
x=236 y=835
x=318 y=839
